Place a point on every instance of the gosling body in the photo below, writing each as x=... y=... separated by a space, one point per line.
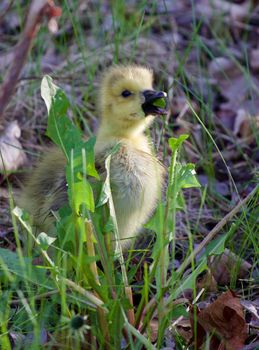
x=136 y=175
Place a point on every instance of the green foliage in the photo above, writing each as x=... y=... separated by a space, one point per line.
x=80 y=166
x=176 y=143
x=184 y=177
x=44 y=240
x=160 y=102
x=71 y=250
x=80 y=154
x=23 y=270
x=60 y=129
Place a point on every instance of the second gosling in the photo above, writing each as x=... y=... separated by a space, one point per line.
x=127 y=109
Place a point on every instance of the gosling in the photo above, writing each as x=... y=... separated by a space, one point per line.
x=127 y=108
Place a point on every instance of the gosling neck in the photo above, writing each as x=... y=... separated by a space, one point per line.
x=109 y=135
x=123 y=129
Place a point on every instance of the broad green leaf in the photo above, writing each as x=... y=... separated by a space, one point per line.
x=62 y=133
x=80 y=164
x=60 y=128
x=160 y=102
x=55 y=98
x=83 y=158
x=175 y=143
x=81 y=193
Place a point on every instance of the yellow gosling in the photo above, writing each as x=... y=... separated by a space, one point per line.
x=126 y=106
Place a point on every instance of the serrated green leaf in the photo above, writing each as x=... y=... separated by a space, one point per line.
x=81 y=163
x=60 y=128
x=53 y=96
x=186 y=176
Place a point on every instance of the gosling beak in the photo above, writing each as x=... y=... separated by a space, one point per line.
x=156 y=102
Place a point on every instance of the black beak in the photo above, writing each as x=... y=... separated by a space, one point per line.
x=156 y=102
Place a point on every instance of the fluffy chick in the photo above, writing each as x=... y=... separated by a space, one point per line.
x=126 y=100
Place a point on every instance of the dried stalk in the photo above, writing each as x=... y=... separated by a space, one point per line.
x=39 y=9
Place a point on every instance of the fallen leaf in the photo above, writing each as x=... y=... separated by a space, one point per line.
x=12 y=155
x=225 y=317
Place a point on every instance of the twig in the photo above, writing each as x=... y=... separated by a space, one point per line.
x=39 y=9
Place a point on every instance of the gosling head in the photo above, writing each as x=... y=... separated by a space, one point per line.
x=127 y=100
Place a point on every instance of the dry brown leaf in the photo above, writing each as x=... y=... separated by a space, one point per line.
x=12 y=155
x=225 y=317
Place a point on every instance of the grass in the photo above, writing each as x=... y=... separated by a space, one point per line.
x=81 y=290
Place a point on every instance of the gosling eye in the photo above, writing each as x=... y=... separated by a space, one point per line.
x=126 y=93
